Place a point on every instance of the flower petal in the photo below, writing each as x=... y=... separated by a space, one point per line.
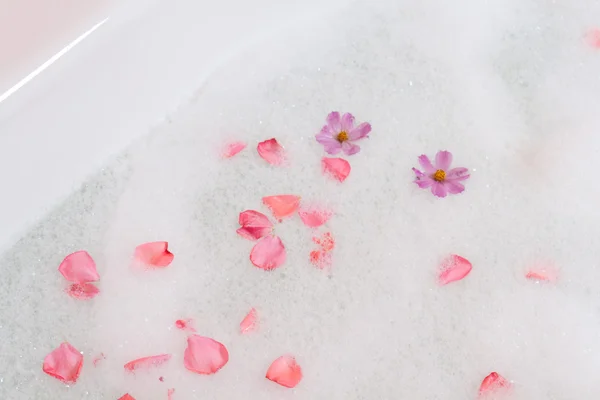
x=439 y=189
x=282 y=205
x=79 y=267
x=64 y=363
x=326 y=241
x=334 y=122
x=426 y=164
x=147 y=362
x=154 y=253
x=347 y=123
x=320 y=258
x=454 y=187
x=268 y=254
x=185 y=325
x=232 y=148
x=360 y=131
x=454 y=268
x=248 y=324
x=254 y=225
x=82 y=291
x=422 y=180
x=126 y=396
x=350 y=148
x=314 y=217
x=330 y=143
x=337 y=168
x=285 y=371
x=170 y=394
x=272 y=152
x=546 y=274
x=457 y=174
x=494 y=382
x=443 y=159
x=204 y=355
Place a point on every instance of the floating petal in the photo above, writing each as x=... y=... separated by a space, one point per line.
x=493 y=383
x=154 y=253
x=79 y=267
x=254 y=225
x=126 y=396
x=231 y=149
x=64 y=363
x=337 y=168
x=326 y=241
x=82 y=291
x=285 y=371
x=314 y=217
x=185 y=325
x=268 y=254
x=320 y=259
x=147 y=362
x=272 y=152
x=248 y=324
x=282 y=205
x=204 y=355
x=454 y=268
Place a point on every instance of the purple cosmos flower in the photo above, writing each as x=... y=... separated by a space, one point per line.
x=339 y=133
x=440 y=178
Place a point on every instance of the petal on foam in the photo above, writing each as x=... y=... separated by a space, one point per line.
x=232 y=148
x=82 y=291
x=185 y=325
x=314 y=217
x=272 y=152
x=126 y=396
x=547 y=274
x=64 y=363
x=492 y=383
x=326 y=241
x=268 y=254
x=79 y=267
x=147 y=362
x=454 y=268
x=254 y=225
x=285 y=371
x=320 y=258
x=154 y=253
x=248 y=324
x=204 y=355
x=282 y=205
x=337 y=168
x=170 y=393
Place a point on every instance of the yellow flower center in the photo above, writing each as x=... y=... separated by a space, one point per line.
x=439 y=175
x=342 y=136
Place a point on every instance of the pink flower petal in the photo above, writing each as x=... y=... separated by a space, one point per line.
x=185 y=325
x=285 y=371
x=79 y=267
x=147 y=362
x=98 y=358
x=546 y=274
x=320 y=259
x=314 y=217
x=254 y=225
x=426 y=164
x=443 y=159
x=272 y=152
x=82 y=291
x=439 y=189
x=126 y=396
x=326 y=241
x=454 y=268
x=360 y=131
x=337 y=168
x=231 y=149
x=248 y=324
x=64 y=363
x=204 y=355
x=268 y=254
x=154 y=253
x=593 y=38
x=350 y=148
x=334 y=121
x=454 y=187
x=494 y=382
x=282 y=205
x=457 y=174
x=170 y=393
x=347 y=123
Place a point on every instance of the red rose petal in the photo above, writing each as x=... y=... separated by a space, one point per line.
x=64 y=363
x=326 y=241
x=314 y=217
x=254 y=225
x=282 y=205
x=285 y=371
x=232 y=148
x=170 y=394
x=337 y=168
x=271 y=151
x=493 y=383
x=82 y=291
x=454 y=268
x=268 y=254
x=185 y=325
x=248 y=324
x=204 y=355
x=154 y=253
x=126 y=396
x=79 y=267
x=147 y=362
x=593 y=38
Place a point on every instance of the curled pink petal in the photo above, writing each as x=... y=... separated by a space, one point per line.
x=494 y=382
x=82 y=291
x=314 y=217
x=98 y=358
x=232 y=148
x=170 y=393
x=64 y=363
x=454 y=268
x=326 y=241
x=337 y=168
x=271 y=151
x=268 y=254
x=248 y=324
x=126 y=396
x=79 y=267
x=154 y=253
x=147 y=362
x=282 y=205
x=593 y=38
x=285 y=371
x=443 y=159
x=204 y=355
x=254 y=225
x=185 y=325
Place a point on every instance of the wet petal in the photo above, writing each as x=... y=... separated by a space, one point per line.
x=285 y=371
x=360 y=131
x=457 y=174
x=147 y=362
x=443 y=159
x=314 y=217
x=231 y=149
x=154 y=253
x=326 y=241
x=454 y=187
x=248 y=324
x=347 y=123
x=426 y=164
x=254 y=225
x=268 y=254
x=64 y=363
x=204 y=355
x=126 y=396
x=79 y=267
x=185 y=325
x=320 y=259
x=494 y=382
x=438 y=189
x=170 y=393
x=272 y=152
x=454 y=268
x=82 y=291
x=334 y=121
x=337 y=168
x=282 y=205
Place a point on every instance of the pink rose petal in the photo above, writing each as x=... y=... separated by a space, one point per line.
x=170 y=394
x=204 y=355
x=79 y=267
x=154 y=253
x=185 y=325
x=64 y=363
x=314 y=217
x=82 y=291
x=282 y=205
x=285 y=371
x=326 y=241
x=337 y=168
x=494 y=382
x=271 y=151
x=254 y=225
x=248 y=324
x=126 y=396
x=232 y=148
x=147 y=362
x=268 y=254
x=454 y=268
x=98 y=358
